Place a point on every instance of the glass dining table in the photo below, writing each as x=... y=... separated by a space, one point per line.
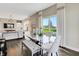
x=44 y=42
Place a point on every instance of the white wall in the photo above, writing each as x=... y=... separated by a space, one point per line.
x=70 y=23
x=6 y=20
x=17 y=26
x=72 y=26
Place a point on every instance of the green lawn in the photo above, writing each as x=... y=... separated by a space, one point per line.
x=47 y=30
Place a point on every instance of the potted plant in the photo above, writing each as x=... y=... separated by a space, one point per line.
x=40 y=34
x=34 y=33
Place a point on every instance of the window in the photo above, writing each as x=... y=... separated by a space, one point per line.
x=53 y=23
x=45 y=23
x=49 y=24
x=53 y=20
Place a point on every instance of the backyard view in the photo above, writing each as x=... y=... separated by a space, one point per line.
x=47 y=30
x=49 y=24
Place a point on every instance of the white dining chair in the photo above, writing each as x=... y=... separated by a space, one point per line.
x=0 y=35
x=27 y=33
x=20 y=34
x=53 y=51
x=52 y=39
x=45 y=44
x=45 y=39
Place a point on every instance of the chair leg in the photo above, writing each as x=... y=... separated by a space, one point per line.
x=56 y=53
x=51 y=54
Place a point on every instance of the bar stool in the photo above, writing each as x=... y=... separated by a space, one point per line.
x=3 y=47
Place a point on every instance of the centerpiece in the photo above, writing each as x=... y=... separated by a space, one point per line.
x=40 y=36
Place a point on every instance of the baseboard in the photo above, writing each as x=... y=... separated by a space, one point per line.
x=69 y=49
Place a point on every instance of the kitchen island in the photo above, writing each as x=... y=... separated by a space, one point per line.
x=11 y=35
x=12 y=39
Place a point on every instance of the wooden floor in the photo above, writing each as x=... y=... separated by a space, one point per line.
x=14 y=49
x=67 y=52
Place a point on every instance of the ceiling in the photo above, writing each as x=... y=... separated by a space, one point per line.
x=21 y=10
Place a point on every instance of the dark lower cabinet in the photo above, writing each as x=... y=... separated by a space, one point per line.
x=3 y=47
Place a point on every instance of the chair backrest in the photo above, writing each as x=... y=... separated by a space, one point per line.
x=55 y=45
x=45 y=39
x=52 y=39
x=26 y=34
x=20 y=34
x=0 y=35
